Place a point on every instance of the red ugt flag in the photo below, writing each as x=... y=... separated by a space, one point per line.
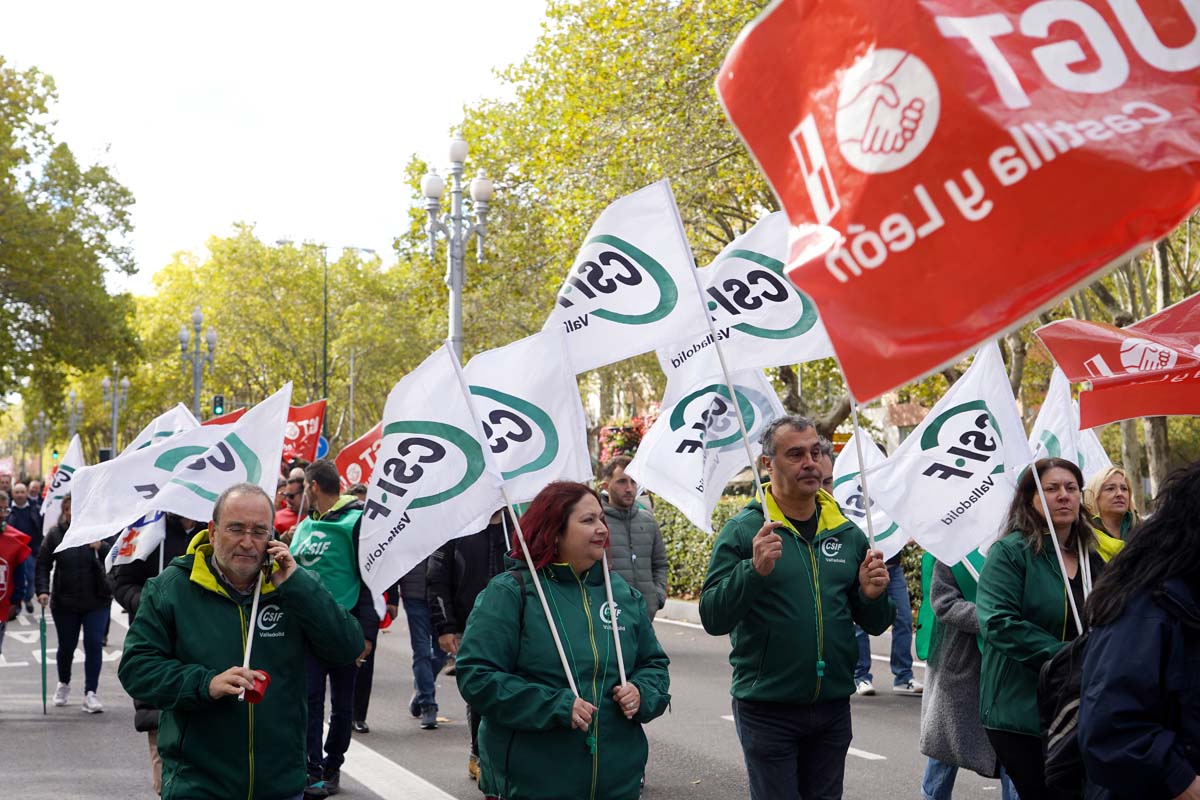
x=950 y=167
x=357 y=459
x=303 y=430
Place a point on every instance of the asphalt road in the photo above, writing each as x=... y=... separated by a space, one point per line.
x=694 y=752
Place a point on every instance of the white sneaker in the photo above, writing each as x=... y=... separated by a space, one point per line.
x=92 y=704
x=61 y=694
x=912 y=687
x=864 y=689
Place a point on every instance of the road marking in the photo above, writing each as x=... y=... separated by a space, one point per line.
x=117 y=615
x=5 y=663
x=679 y=622
x=385 y=777
x=854 y=751
x=887 y=660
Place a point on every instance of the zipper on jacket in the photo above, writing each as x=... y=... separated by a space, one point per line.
x=820 y=621
x=587 y=612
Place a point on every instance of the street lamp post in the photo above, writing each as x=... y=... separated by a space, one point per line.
x=74 y=413
x=115 y=394
x=455 y=228
x=197 y=359
x=41 y=428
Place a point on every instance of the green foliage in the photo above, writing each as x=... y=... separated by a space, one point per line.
x=688 y=547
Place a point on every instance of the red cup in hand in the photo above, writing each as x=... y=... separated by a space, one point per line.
x=255 y=693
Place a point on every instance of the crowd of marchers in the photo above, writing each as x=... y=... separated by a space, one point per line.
x=1069 y=666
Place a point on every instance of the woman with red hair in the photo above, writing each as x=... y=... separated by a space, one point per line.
x=537 y=739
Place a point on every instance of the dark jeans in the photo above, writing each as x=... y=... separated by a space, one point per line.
x=341 y=707
x=428 y=658
x=794 y=751
x=1021 y=756
x=362 y=687
x=902 y=634
x=68 y=624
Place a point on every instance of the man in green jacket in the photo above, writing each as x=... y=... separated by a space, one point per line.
x=185 y=647
x=788 y=588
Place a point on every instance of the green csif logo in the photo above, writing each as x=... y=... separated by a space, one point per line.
x=219 y=459
x=966 y=437
x=758 y=287
x=511 y=427
x=404 y=462
x=716 y=427
x=617 y=264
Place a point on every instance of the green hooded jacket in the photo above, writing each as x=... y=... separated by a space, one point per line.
x=510 y=673
x=792 y=631
x=188 y=628
x=1021 y=602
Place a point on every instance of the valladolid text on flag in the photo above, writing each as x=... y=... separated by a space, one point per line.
x=848 y=491
x=631 y=287
x=951 y=167
x=530 y=412
x=695 y=446
x=432 y=479
x=760 y=317
x=182 y=474
x=1150 y=368
x=949 y=484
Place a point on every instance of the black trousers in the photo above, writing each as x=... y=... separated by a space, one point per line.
x=362 y=687
x=794 y=751
x=1021 y=756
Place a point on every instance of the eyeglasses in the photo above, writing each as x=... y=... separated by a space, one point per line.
x=238 y=530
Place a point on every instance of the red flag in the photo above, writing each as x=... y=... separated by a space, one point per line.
x=1147 y=369
x=225 y=419
x=952 y=166
x=303 y=430
x=357 y=459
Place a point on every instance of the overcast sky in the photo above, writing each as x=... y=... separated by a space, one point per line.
x=295 y=116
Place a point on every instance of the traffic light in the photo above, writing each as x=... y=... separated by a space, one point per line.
x=218 y=405
x=54 y=454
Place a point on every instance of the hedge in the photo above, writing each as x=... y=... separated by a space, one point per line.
x=689 y=548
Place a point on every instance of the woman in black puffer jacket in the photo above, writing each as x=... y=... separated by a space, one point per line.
x=80 y=598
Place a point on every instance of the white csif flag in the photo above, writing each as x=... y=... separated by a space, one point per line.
x=695 y=446
x=1056 y=430
x=138 y=541
x=183 y=474
x=848 y=491
x=61 y=484
x=165 y=425
x=432 y=480
x=760 y=317
x=949 y=484
x=533 y=423
x=632 y=287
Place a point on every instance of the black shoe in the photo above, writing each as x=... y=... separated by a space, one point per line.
x=333 y=780
x=316 y=789
x=361 y=727
x=428 y=717
x=28 y=606
x=413 y=707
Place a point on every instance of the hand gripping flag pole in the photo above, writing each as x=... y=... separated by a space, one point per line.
x=733 y=398
x=520 y=535
x=253 y=626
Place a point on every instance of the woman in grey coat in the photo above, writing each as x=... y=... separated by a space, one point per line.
x=951 y=734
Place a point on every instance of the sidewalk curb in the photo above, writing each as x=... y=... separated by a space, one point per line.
x=681 y=610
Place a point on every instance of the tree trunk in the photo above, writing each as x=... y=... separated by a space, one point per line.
x=1131 y=460
x=1158 y=451
x=1016 y=367
x=1162 y=274
x=827 y=424
x=793 y=401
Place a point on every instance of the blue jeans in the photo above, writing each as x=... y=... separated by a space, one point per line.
x=938 y=783
x=428 y=658
x=341 y=709
x=902 y=630
x=794 y=750
x=68 y=625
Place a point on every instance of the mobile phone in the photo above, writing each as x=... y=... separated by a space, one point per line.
x=267 y=558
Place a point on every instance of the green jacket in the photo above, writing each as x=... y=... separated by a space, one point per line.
x=510 y=673
x=188 y=628
x=792 y=632
x=1021 y=602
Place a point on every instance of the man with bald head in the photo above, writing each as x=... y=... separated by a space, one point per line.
x=185 y=647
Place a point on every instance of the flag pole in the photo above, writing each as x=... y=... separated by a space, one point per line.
x=253 y=626
x=712 y=331
x=537 y=584
x=612 y=613
x=862 y=473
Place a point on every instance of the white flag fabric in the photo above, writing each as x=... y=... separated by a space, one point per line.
x=528 y=402
x=164 y=426
x=183 y=474
x=61 y=484
x=949 y=484
x=138 y=541
x=761 y=319
x=1056 y=429
x=695 y=446
x=432 y=480
x=632 y=286
x=848 y=491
